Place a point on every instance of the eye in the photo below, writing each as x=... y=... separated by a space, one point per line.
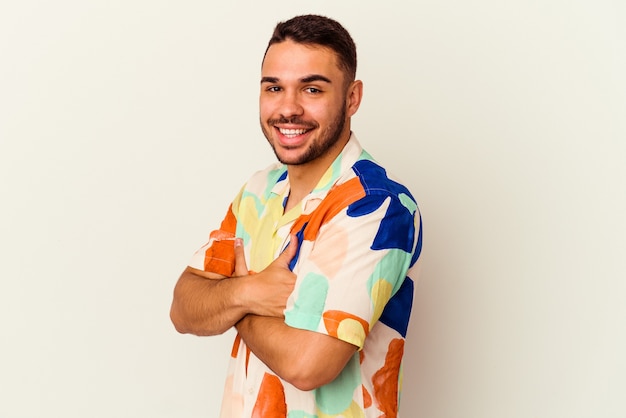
x=273 y=89
x=313 y=90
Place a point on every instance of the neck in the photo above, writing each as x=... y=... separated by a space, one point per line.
x=304 y=177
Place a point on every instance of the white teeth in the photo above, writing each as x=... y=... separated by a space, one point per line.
x=292 y=132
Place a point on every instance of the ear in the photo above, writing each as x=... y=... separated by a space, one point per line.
x=353 y=97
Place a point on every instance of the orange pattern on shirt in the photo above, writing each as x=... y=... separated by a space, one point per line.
x=271 y=400
x=385 y=380
x=335 y=201
x=367 y=398
x=332 y=321
x=236 y=344
x=220 y=257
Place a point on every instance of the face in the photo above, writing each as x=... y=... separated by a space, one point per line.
x=305 y=103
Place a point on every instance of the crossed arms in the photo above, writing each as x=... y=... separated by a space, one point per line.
x=207 y=303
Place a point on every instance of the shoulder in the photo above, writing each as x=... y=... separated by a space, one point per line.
x=377 y=182
x=390 y=204
x=263 y=181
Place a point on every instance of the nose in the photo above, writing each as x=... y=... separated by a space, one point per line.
x=290 y=105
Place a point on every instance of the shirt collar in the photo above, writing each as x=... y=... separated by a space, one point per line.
x=333 y=175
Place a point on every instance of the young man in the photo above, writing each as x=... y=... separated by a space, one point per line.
x=313 y=263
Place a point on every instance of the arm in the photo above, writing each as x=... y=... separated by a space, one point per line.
x=299 y=353
x=295 y=354
x=309 y=356
x=207 y=303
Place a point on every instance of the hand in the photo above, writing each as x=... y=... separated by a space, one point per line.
x=241 y=267
x=270 y=288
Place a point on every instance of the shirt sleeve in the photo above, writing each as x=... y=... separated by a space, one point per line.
x=218 y=254
x=355 y=265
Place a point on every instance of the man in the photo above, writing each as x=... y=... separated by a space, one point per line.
x=312 y=261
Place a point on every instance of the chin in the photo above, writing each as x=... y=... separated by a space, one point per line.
x=290 y=159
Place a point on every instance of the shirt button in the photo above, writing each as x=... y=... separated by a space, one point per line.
x=250 y=391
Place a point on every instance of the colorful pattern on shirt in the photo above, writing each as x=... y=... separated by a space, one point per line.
x=360 y=238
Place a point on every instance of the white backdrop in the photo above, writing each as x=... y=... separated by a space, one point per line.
x=127 y=126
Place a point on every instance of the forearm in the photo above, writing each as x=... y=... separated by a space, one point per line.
x=205 y=304
x=306 y=359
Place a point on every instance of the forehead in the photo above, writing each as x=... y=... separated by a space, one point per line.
x=294 y=59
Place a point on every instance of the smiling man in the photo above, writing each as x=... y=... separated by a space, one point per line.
x=315 y=261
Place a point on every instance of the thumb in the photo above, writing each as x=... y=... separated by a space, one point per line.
x=291 y=250
x=241 y=267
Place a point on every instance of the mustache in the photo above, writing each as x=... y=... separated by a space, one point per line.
x=294 y=120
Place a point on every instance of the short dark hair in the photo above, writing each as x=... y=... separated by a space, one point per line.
x=319 y=30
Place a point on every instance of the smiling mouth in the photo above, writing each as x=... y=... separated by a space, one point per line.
x=292 y=133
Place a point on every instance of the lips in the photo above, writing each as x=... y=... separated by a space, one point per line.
x=292 y=133
x=292 y=137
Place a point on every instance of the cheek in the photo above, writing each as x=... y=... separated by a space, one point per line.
x=325 y=114
x=265 y=105
x=269 y=109
x=264 y=112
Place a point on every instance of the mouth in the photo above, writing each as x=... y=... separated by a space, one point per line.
x=292 y=133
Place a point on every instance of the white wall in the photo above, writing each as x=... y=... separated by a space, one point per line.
x=127 y=127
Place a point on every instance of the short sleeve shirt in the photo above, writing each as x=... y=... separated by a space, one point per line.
x=359 y=234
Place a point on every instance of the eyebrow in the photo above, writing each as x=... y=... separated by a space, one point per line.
x=269 y=80
x=315 y=77
x=308 y=79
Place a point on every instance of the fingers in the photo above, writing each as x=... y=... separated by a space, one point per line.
x=241 y=267
x=291 y=250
